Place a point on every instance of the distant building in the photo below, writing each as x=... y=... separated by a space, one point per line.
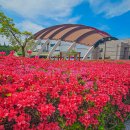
x=115 y=49
x=90 y=42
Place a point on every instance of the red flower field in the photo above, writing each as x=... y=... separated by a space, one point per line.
x=38 y=94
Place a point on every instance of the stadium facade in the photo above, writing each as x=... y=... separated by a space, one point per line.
x=87 y=41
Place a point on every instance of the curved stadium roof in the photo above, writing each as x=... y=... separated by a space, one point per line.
x=72 y=33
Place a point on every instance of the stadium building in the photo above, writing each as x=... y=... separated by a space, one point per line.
x=79 y=42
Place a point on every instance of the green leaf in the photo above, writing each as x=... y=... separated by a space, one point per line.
x=61 y=122
x=101 y=128
x=75 y=126
x=8 y=94
x=24 y=40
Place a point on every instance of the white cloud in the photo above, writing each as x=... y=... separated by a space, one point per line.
x=29 y=26
x=69 y=20
x=47 y=8
x=119 y=9
x=104 y=27
x=110 y=9
x=73 y=20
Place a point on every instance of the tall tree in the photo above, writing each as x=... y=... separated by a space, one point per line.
x=15 y=36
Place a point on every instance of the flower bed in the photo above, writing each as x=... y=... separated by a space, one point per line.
x=37 y=94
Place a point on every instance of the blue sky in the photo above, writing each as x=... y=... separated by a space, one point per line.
x=112 y=16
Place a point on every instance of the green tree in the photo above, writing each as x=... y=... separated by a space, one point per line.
x=15 y=36
x=7 y=48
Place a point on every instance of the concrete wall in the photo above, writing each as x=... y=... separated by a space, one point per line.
x=119 y=49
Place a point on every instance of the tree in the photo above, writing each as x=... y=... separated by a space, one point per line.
x=15 y=36
x=7 y=48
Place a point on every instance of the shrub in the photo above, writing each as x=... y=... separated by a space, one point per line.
x=38 y=94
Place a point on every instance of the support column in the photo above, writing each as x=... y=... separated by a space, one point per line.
x=37 y=42
x=53 y=49
x=104 y=56
x=79 y=55
x=40 y=51
x=88 y=52
x=117 y=52
x=71 y=47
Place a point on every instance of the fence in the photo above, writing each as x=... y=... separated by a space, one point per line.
x=66 y=56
